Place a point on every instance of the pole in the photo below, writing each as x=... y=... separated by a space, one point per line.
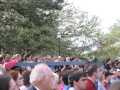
x=59 y=47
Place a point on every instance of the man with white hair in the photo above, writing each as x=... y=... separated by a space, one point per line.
x=43 y=78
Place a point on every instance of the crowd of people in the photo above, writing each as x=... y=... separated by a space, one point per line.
x=66 y=77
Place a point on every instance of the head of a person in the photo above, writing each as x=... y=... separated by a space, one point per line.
x=100 y=73
x=65 y=78
x=115 y=86
x=26 y=78
x=17 y=77
x=92 y=71
x=43 y=77
x=17 y=57
x=107 y=76
x=7 y=83
x=14 y=74
x=7 y=57
x=118 y=72
x=78 y=80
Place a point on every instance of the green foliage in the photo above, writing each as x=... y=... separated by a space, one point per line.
x=32 y=26
x=29 y=25
x=78 y=27
x=110 y=44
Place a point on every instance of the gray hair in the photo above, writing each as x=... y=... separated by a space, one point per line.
x=39 y=71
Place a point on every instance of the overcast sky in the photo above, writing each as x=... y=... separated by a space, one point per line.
x=107 y=10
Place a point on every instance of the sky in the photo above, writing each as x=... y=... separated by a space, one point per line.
x=108 y=11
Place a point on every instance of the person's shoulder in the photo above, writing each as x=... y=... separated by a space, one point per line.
x=31 y=88
x=90 y=85
x=27 y=88
x=23 y=88
x=71 y=88
x=88 y=81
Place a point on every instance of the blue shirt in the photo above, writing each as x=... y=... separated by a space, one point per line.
x=100 y=86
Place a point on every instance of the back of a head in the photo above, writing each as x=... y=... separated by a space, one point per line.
x=26 y=78
x=115 y=86
x=92 y=69
x=65 y=78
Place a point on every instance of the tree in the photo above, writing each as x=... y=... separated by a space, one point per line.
x=78 y=27
x=110 y=44
x=29 y=24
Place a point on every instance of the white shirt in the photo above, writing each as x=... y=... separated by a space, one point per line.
x=71 y=88
x=23 y=88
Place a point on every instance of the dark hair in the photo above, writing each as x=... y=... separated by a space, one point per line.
x=4 y=82
x=107 y=73
x=65 y=79
x=14 y=74
x=26 y=78
x=76 y=77
x=92 y=69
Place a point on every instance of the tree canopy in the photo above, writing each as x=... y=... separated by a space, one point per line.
x=34 y=25
x=109 y=44
x=29 y=24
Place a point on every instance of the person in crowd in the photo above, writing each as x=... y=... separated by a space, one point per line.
x=43 y=78
x=2 y=70
x=14 y=74
x=107 y=78
x=92 y=77
x=6 y=82
x=1 y=58
x=65 y=81
x=77 y=81
x=10 y=62
x=116 y=76
x=100 y=79
x=115 y=86
x=26 y=78
x=17 y=77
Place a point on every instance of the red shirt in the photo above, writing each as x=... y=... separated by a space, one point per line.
x=90 y=85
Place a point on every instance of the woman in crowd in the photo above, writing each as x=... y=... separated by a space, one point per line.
x=16 y=75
